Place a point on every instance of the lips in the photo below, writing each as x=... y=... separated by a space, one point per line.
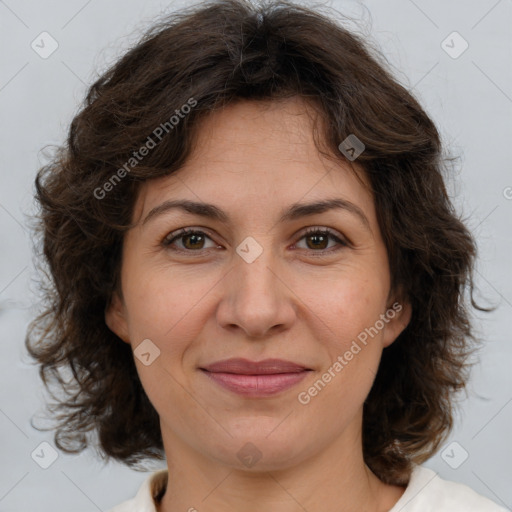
x=245 y=367
x=255 y=379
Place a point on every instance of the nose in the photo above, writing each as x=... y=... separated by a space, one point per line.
x=258 y=297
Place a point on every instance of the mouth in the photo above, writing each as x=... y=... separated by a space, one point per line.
x=256 y=378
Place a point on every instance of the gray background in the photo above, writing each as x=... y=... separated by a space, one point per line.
x=469 y=97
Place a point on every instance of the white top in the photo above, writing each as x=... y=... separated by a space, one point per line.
x=426 y=492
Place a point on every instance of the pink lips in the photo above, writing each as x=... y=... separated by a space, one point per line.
x=255 y=379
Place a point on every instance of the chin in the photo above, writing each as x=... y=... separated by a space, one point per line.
x=256 y=451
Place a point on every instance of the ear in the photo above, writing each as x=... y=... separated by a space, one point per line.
x=115 y=317
x=396 y=317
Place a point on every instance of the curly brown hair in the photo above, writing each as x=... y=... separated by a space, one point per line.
x=217 y=53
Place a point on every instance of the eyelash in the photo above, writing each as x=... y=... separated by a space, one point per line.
x=169 y=240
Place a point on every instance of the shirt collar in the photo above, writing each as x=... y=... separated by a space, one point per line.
x=151 y=488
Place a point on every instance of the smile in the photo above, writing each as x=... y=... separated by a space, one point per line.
x=255 y=379
x=256 y=385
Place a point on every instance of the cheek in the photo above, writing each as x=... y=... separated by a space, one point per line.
x=353 y=348
x=163 y=307
x=171 y=308
x=351 y=309
x=347 y=303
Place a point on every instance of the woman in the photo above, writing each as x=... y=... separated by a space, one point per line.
x=257 y=273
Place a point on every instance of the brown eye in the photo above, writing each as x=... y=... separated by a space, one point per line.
x=317 y=240
x=193 y=241
x=190 y=240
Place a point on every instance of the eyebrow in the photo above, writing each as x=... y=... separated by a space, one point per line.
x=295 y=211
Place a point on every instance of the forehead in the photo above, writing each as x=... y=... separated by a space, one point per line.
x=254 y=155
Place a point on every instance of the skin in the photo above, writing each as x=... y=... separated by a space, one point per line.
x=253 y=160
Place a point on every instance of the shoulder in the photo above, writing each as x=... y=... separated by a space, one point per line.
x=428 y=492
x=144 y=500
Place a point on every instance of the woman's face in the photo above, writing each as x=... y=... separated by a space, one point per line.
x=258 y=280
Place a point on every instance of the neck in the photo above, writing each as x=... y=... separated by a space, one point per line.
x=335 y=479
